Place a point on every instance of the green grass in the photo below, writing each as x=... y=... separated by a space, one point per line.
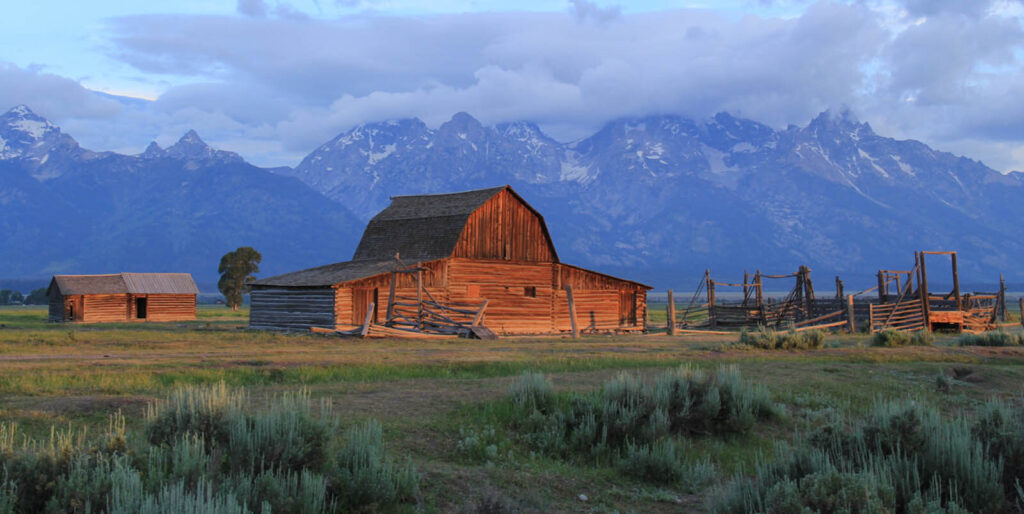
x=431 y=395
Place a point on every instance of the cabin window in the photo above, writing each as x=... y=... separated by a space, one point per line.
x=140 y=308
x=473 y=290
x=530 y=291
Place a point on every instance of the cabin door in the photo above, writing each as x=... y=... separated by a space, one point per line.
x=627 y=308
x=361 y=298
x=140 y=308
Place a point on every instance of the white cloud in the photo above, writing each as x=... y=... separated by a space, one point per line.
x=945 y=72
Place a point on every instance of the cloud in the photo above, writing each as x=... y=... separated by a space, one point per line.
x=502 y=67
x=585 y=10
x=51 y=95
x=280 y=84
x=254 y=8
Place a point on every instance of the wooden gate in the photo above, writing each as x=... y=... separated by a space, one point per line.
x=905 y=316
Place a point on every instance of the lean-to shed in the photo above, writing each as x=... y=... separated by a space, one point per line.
x=476 y=245
x=123 y=297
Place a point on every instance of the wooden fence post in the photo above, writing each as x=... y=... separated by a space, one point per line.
x=1022 y=311
x=391 y=299
x=572 y=311
x=851 y=315
x=1002 y=298
x=883 y=286
x=419 y=297
x=746 y=279
x=924 y=292
x=839 y=292
x=671 y=311
x=711 y=298
x=369 y=317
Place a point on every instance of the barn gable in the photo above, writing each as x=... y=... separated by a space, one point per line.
x=493 y=223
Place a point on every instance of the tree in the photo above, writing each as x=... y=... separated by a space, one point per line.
x=5 y=296
x=17 y=297
x=236 y=271
x=37 y=297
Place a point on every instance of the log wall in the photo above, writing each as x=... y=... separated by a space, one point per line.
x=165 y=307
x=292 y=308
x=504 y=228
x=523 y=298
x=104 y=308
x=510 y=308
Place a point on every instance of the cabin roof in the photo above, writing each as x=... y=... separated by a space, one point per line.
x=330 y=274
x=427 y=227
x=124 y=283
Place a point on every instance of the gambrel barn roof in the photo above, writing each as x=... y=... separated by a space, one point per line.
x=427 y=227
x=417 y=228
x=124 y=283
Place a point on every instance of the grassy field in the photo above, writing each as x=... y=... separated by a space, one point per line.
x=435 y=398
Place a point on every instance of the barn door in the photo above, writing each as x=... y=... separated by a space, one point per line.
x=361 y=298
x=627 y=308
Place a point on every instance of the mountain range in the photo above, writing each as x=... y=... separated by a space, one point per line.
x=656 y=198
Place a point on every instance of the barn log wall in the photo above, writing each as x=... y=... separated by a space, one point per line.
x=292 y=308
x=505 y=229
x=503 y=284
x=104 y=308
x=354 y=296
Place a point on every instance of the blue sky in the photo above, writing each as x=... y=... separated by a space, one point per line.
x=273 y=79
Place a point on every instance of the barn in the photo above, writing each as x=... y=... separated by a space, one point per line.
x=470 y=247
x=122 y=297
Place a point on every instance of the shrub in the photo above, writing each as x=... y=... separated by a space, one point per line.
x=304 y=492
x=991 y=338
x=363 y=477
x=768 y=339
x=532 y=392
x=902 y=457
x=895 y=338
x=484 y=445
x=632 y=418
x=661 y=463
x=203 y=411
x=287 y=437
x=204 y=453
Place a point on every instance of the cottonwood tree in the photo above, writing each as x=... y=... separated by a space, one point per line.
x=236 y=271
x=37 y=297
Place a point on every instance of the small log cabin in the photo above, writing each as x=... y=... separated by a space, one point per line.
x=122 y=297
x=476 y=245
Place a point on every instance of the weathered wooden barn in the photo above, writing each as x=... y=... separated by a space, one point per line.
x=123 y=297
x=473 y=246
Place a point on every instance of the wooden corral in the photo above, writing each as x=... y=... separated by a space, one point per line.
x=903 y=303
x=122 y=297
x=915 y=307
x=798 y=309
x=429 y=261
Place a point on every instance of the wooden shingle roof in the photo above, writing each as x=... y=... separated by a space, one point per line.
x=124 y=283
x=421 y=227
x=329 y=275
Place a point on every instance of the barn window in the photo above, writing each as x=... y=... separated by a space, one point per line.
x=140 y=308
x=530 y=291
x=473 y=290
